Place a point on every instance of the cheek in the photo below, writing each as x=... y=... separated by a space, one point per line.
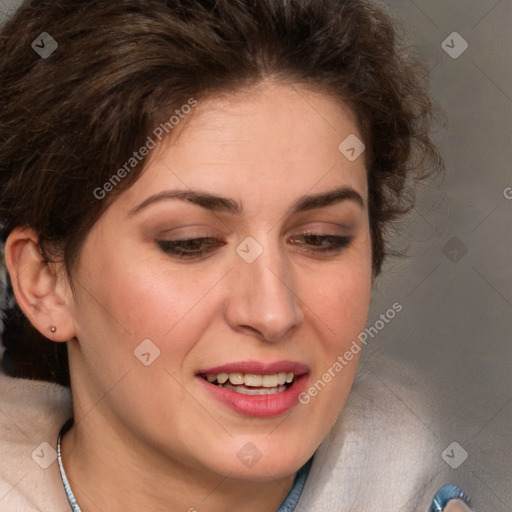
x=134 y=299
x=344 y=317
x=341 y=302
x=342 y=297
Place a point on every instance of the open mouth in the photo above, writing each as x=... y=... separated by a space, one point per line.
x=254 y=388
x=253 y=384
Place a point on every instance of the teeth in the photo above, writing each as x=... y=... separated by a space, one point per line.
x=270 y=381
x=236 y=378
x=273 y=380
x=255 y=391
x=255 y=381
x=222 y=377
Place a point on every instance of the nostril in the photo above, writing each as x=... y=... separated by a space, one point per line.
x=251 y=330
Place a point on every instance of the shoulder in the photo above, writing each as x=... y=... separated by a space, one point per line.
x=31 y=414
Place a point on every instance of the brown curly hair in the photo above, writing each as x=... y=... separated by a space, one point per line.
x=69 y=120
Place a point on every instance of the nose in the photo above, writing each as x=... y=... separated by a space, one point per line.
x=263 y=301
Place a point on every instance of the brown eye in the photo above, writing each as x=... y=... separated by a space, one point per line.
x=321 y=244
x=190 y=247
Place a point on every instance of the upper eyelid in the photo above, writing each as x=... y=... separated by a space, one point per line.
x=214 y=237
x=345 y=238
x=316 y=227
x=196 y=254
x=305 y=220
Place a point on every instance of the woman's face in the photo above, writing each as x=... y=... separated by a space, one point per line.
x=243 y=249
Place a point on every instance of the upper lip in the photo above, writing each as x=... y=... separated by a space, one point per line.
x=257 y=368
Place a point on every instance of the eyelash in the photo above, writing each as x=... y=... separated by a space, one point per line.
x=336 y=243
x=181 y=248
x=178 y=248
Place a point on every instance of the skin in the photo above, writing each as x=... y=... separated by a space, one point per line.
x=456 y=506
x=152 y=433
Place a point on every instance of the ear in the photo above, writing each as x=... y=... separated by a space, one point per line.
x=41 y=288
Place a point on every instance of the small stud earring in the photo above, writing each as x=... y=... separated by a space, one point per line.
x=53 y=328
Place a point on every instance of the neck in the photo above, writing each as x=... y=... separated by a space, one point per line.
x=109 y=472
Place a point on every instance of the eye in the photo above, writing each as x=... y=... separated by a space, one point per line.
x=320 y=244
x=190 y=248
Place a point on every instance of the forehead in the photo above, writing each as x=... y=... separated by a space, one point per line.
x=281 y=137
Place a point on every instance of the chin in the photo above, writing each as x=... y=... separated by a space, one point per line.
x=259 y=458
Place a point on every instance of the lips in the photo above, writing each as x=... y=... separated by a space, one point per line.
x=256 y=389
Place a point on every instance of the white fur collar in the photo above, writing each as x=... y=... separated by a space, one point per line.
x=31 y=413
x=378 y=456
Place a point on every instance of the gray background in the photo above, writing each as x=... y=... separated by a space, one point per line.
x=452 y=341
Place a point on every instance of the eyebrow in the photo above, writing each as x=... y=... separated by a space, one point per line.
x=223 y=204
x=311 y=202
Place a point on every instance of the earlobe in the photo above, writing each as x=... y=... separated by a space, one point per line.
x=39 y=291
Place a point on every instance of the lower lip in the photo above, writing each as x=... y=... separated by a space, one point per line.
x=262 y=406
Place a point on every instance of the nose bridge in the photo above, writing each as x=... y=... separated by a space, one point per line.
x=265 y=298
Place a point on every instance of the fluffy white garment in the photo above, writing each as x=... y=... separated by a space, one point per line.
x=378 y=456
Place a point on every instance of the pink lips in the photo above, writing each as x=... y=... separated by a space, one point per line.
x=258 y=405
